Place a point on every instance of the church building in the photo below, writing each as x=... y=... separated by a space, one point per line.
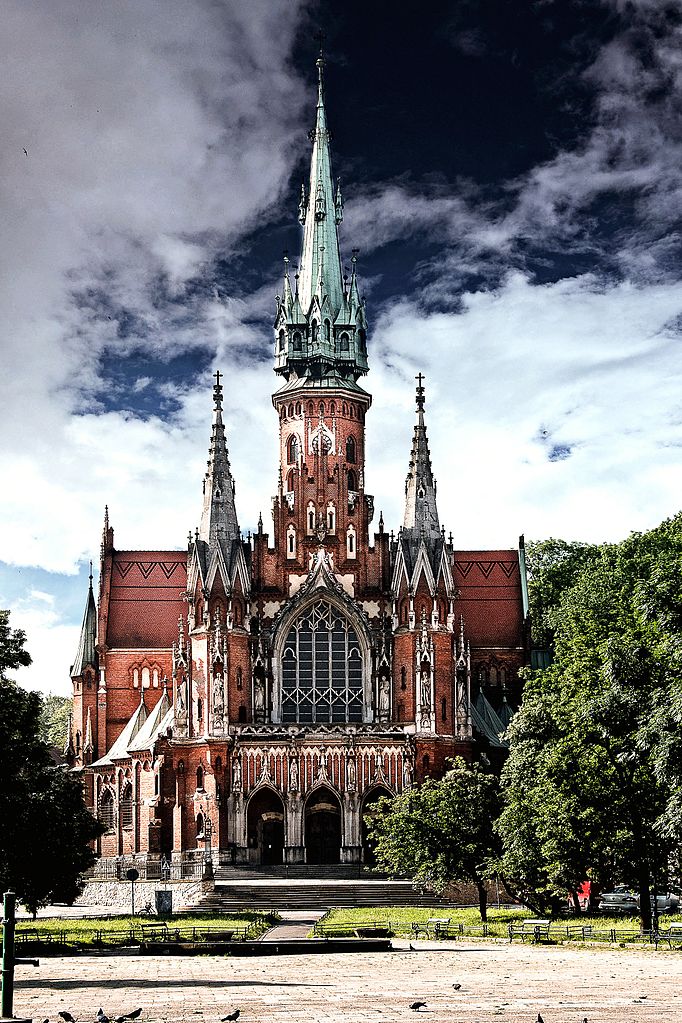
x=246 y=700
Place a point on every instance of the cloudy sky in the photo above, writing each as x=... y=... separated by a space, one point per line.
x=513 y=179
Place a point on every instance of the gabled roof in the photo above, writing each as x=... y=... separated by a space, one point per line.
x=146 y=598
x=156 y=724
x=119 y=751
x=486 y=721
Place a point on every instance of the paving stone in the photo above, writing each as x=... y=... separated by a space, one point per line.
x=499 y=981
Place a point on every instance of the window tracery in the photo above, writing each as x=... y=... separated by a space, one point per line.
x=322 y=668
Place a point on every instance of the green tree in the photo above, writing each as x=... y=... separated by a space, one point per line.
x=441 y=832
x=593 y=781
x=54 y=720
x=45 y=826
x=552 y=566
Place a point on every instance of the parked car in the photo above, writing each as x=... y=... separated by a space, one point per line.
x=622 y=900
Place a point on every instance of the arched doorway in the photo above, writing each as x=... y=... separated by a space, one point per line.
x=322 y=827
x=372 y=798
x=265 y=827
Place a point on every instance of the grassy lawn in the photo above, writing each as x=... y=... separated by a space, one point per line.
x=117 y=930
x=399 y=920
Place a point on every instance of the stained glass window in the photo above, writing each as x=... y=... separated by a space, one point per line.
x=321 y=668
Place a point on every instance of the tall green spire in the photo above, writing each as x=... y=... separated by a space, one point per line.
x=320 y=327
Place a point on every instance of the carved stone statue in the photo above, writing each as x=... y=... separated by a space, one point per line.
x=218 y=696
x=236 y=774
x=259 y=695
x=462 y=695
x=293 y=775
x=350 y=774
x=425 y=688
x=384 y=699
x=407 y=773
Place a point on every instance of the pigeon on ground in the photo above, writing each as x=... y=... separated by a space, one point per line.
x=102 y=1016
x=66 y=1016
x=135 y=1014
x=457 y=986
x=418 y=1005
x=231 y=1017
x=540 y=1019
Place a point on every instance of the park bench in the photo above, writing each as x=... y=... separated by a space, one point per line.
x=32 y=935
x=672 y=935
x=534 y=929
x=435 y=927
x=159 y=931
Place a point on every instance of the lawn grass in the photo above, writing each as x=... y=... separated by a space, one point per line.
x=399 y=919
x=115 y=930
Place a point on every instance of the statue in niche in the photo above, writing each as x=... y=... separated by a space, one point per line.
x=259 y=695
x=293 y=775
x=425 y=688
x=407 y=773
x=218 y=697
x=350 y=774
x=462 y=696
x=384 y=699
x=236 y=773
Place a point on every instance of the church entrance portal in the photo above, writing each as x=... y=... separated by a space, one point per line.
x=368 y=857
x=265 y=828
x=322 y=827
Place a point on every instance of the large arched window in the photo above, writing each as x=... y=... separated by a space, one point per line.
x=321 y=668
x=105 y=810
x=127 y=806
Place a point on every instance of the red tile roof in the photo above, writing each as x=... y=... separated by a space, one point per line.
x=146 y=598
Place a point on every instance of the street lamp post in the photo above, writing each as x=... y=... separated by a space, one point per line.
x=208 y=834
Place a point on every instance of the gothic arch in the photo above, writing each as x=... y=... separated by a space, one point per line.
x=322 y=825
x=288 y=677
x=265 y=822
x=370 y=799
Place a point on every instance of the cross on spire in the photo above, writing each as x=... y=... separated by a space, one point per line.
x=218 y=390
x=420 y=392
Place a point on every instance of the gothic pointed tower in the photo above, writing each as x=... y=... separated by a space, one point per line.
x=218 y=594
x=79 y=748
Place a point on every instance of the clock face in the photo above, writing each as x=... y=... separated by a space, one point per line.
x=322 y=443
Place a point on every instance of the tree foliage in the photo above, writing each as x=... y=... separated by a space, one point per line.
x=54 y=720
x=593 y=784
x=45 y=826
x=440 y=832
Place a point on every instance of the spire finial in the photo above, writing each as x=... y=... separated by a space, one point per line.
x=218 y=391
x=420 y=392
x=90 y=576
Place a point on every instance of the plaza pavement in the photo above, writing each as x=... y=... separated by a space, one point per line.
x=499 y=981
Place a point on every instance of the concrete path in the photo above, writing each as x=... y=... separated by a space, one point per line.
x=498 y=981
x=295 y=924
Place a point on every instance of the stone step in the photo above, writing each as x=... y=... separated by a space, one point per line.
x=312 y=894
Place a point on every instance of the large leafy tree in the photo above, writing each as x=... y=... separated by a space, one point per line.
x=441 y=832
x=593 y=782
x=54 y=720
x=45 y=826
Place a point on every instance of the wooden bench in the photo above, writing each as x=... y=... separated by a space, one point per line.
x=433 y=927
x=535 y=929
x=673 y=934
x=158 y=931
x=32 y=934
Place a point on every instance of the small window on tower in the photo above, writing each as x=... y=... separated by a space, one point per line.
x=282 y=339
x=293 y=449
x=311 y=517
x=327 y=331
x=350 y=450
x=297 y=341
x=291 y=542
x=331 y=518
x=200 y=778
x=352 y=480
x=350 y=542
x=290 y=481
x=344 y=343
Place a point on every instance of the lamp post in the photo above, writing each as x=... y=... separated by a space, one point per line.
x=208 y=834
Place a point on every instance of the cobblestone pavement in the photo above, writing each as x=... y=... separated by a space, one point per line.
x=509 y=982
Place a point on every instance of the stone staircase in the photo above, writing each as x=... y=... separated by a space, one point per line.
x=306 y=887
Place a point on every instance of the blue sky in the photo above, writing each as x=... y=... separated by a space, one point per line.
x=513 y=179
